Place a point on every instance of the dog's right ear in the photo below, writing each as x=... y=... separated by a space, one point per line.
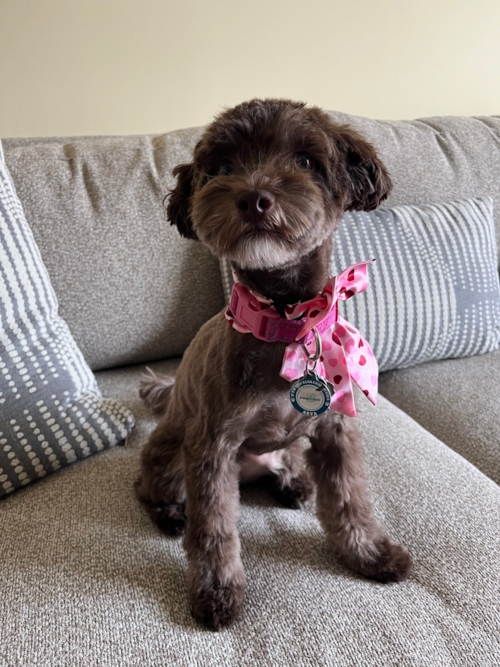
x=179 y=201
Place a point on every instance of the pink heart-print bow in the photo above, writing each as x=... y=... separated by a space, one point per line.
x=346 y=355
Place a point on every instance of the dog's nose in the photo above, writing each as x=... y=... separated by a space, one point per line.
x=254 y=205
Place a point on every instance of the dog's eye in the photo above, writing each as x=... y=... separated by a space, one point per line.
x=303 y=161
x=225 y=169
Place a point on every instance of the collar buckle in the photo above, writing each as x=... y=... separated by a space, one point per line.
x=249 y=311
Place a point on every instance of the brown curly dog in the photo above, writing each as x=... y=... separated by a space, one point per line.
x=269 y=182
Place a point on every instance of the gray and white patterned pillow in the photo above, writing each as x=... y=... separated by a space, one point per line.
x=51 y=410
x=434 y=289
x=433 y=292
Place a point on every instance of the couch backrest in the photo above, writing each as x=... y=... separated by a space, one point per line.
x=130 y=288
x=435 y=160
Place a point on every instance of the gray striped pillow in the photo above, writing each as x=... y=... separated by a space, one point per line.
x=434 y=289
x=51 y=411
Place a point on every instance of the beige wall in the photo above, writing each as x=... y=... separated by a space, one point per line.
x=71 y=67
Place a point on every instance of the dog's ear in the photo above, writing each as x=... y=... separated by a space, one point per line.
x=179 y=201
x=367 y=178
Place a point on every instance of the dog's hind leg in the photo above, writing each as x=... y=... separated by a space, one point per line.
x=161 y=482
x=343 y=507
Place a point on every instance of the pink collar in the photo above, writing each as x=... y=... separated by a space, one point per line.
x=346 y=354
x=249 y=312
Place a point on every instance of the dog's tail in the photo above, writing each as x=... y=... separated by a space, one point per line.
x=156 y=391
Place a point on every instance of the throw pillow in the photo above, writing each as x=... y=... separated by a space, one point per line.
x=51 y=410
x=433 y=292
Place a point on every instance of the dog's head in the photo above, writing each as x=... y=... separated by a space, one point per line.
x=270 y=180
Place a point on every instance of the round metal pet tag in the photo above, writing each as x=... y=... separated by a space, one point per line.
x=310 y=395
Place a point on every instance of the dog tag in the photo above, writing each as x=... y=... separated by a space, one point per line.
x=310 y=394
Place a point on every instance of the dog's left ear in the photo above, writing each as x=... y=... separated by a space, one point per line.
x=179 y=201
x=367 y=178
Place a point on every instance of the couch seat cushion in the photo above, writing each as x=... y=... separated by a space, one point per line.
x=97 y=584
x=457 y=400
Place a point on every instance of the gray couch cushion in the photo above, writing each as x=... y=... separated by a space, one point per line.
x=51 y=410
x=435 y=160
x=123 y=276
x=98 y=585
x=458 y=401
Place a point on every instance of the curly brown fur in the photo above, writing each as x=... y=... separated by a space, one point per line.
x=155 y=391
x=268 y=185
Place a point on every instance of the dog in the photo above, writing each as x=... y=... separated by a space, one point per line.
x=267 y=187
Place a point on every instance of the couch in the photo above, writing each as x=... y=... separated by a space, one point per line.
x=87 y=580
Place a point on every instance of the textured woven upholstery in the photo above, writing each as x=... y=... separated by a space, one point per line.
x=123 y=276
x=99 y=585
x=436 y=160
x=458 y=401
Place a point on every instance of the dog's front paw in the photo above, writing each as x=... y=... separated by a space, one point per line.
x=388 y=562
x=293 y=495
x=218 y=606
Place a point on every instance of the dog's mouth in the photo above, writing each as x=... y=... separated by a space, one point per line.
x=258 y=248
x=263 y=232
x=278 y=225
